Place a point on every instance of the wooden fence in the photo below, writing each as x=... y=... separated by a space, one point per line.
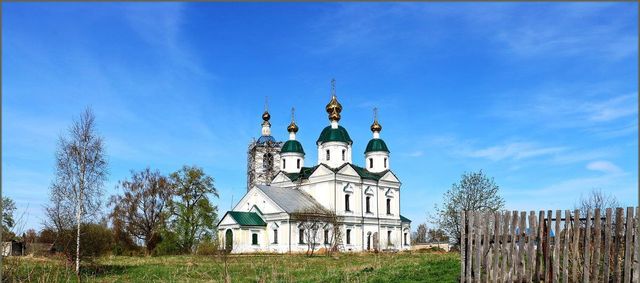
x=561 y=247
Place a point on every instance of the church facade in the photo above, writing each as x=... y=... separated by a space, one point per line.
x=335 y=204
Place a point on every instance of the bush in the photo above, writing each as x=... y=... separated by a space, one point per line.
x=168 y=244
x=209 y=247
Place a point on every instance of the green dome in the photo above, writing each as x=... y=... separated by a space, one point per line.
x=329 y=134
x=376 y=145
x=292 y=146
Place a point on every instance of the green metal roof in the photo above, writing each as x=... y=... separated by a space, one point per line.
x=376 y=145
x=292 y=146
x=365 y=174
x=330 y=134
x=247 y=218
x=305 y=172
x=404 y=219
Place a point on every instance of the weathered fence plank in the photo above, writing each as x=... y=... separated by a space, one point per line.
x=587 y=250
x=636 y=247
x=617 y=277
x=495 y=247
x=514 y=251
x=628 y=244
x=469 y=246
x=565 y=247
x=539 y=259
x=531 y=245
x=463 y=245
x=576 y=240
x=478 y=250
x=556 y=248
x=607 y=246
x=546 y=247
x=597 y=245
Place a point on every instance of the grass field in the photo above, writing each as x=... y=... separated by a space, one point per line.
x=401 y=267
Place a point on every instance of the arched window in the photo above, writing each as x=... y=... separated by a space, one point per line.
x=343 y=154
x=348 y=236
x=328 y=157
x=326 y=236
x=370 y=162
x=275 y=236
x=267 y=161
x=389 y=238
x=385 y=162
x=284 y=163
x=298 y=163
x=368 y=204
x=301 y=236
x=388 y=206
x=346 y=203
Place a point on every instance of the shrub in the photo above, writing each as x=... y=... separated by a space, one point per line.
x=209 y=247
x=168 y=244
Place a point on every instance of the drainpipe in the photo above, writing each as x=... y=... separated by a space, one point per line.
x=378 y=210
x=289 y=222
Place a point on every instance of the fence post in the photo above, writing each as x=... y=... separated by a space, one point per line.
x=470 y=231
x=587 y=248
x=565 y=247
x=597 y=245
x=556 y=248
x=628 y=244
x=478 y=256
x=496 y=244
x=616 y=249
x=607 y=245
x=463 y=245
x=539 y=259
x=576 y=242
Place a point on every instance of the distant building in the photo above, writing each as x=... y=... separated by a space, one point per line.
x=13 y=248
x=365 y=200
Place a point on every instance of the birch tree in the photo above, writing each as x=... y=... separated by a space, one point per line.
x=81 y=170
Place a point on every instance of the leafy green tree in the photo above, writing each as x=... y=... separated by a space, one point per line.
x=8 y=208
x=474 y=192
x=194 y=215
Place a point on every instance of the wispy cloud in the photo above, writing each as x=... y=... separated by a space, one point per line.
x=513 y=151
x=604 y=166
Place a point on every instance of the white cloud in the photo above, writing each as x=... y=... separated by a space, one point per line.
x=604 y=166
x=417 y=153
x=515 y=151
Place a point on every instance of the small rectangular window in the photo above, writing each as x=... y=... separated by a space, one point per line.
x=370 y=162
x=346 y=203
x=328 y=157
x=284 y=163
x=254 y=239
x=405 y=239
x=301 y=236
x=389 y=237
x=343 y=155
x=275 y=236
x=326 y=236
x=388 y=206
x=368 y=204
x=385 y=163
x=298 y=162
x=348 y=236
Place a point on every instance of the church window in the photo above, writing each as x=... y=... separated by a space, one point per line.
x=301 y=236
x=388 y=206
x=328 y=156
x=254 y=239
x=389 y=238
x=343 y=155
x=368 y=204
x=267 y=161
x=370 y=162
x=385 y=163
x=284 y=163
x=275 y=236
x=298 y=163
x=348 y=236
x=346 y=203
x=326 y=236
x=405 y=239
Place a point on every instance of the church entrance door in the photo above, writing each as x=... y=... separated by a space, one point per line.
x=228 y=240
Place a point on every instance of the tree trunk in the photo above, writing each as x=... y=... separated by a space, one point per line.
x=78 y=216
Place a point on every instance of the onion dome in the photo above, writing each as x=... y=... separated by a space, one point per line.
x=334 y=107
x=338 y=134
x=266 y=116
x=376 y=145
x=376 y=127
x=292 y=127
x=292 y=146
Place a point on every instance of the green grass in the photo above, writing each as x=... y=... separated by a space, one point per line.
x=400 y=267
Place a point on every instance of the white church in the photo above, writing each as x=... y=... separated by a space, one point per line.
x=364 y=202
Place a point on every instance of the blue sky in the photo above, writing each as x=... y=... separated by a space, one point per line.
x=541 y=96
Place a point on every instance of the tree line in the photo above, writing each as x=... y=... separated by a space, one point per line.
x=151 y=214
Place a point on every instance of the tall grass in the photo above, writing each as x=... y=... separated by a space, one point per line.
x=400 y=267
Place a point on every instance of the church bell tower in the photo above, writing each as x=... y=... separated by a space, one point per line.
x=263 y=155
